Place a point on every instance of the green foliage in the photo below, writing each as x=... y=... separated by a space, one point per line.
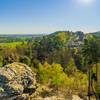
x=96 y=71
x=1 y=61
x=25 y=60
x=9 y=45
x=90 y=51
x=53 y=74
x=91 y=56
x=14 y=38
x=58 y=75
x=52 y=48
x=71 y=67
x=79 y=81
x=10 y=55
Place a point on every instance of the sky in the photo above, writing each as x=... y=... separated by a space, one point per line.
x=47 y=16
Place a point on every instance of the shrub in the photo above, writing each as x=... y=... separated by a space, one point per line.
x=53 y=74
x=25 y=60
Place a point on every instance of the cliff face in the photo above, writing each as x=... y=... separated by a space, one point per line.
x=16 y=79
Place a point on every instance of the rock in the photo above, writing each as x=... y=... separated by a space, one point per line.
x=48 y=98
x=16 y=79
x=20 y=97
x=76 y=97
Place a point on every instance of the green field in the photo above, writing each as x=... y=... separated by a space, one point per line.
x=12 y=44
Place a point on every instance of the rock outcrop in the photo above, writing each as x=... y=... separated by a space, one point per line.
x=16 y=79
x=18 y=82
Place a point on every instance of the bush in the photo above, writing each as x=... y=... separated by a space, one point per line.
x=25 y=60
x=71 y=67
x=53 y=75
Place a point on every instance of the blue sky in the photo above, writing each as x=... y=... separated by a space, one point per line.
x=46 y=16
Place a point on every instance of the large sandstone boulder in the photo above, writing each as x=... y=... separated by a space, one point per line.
x=16 y=79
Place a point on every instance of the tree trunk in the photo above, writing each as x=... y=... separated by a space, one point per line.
x=97 y=80
x=96 y=72
x=96 y=96
x=89 y=84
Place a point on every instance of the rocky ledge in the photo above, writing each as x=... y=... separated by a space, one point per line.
x=16 y=79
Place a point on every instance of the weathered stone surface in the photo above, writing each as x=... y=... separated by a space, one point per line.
x=16 y=79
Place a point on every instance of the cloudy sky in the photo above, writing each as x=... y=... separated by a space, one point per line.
x=46 y=16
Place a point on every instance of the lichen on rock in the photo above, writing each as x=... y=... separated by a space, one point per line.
x=16 y=79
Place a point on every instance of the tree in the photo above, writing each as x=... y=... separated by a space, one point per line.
x=48 y=45
x=25 y=60
x=90 y=54
x=71 y=67
x=10 y=55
